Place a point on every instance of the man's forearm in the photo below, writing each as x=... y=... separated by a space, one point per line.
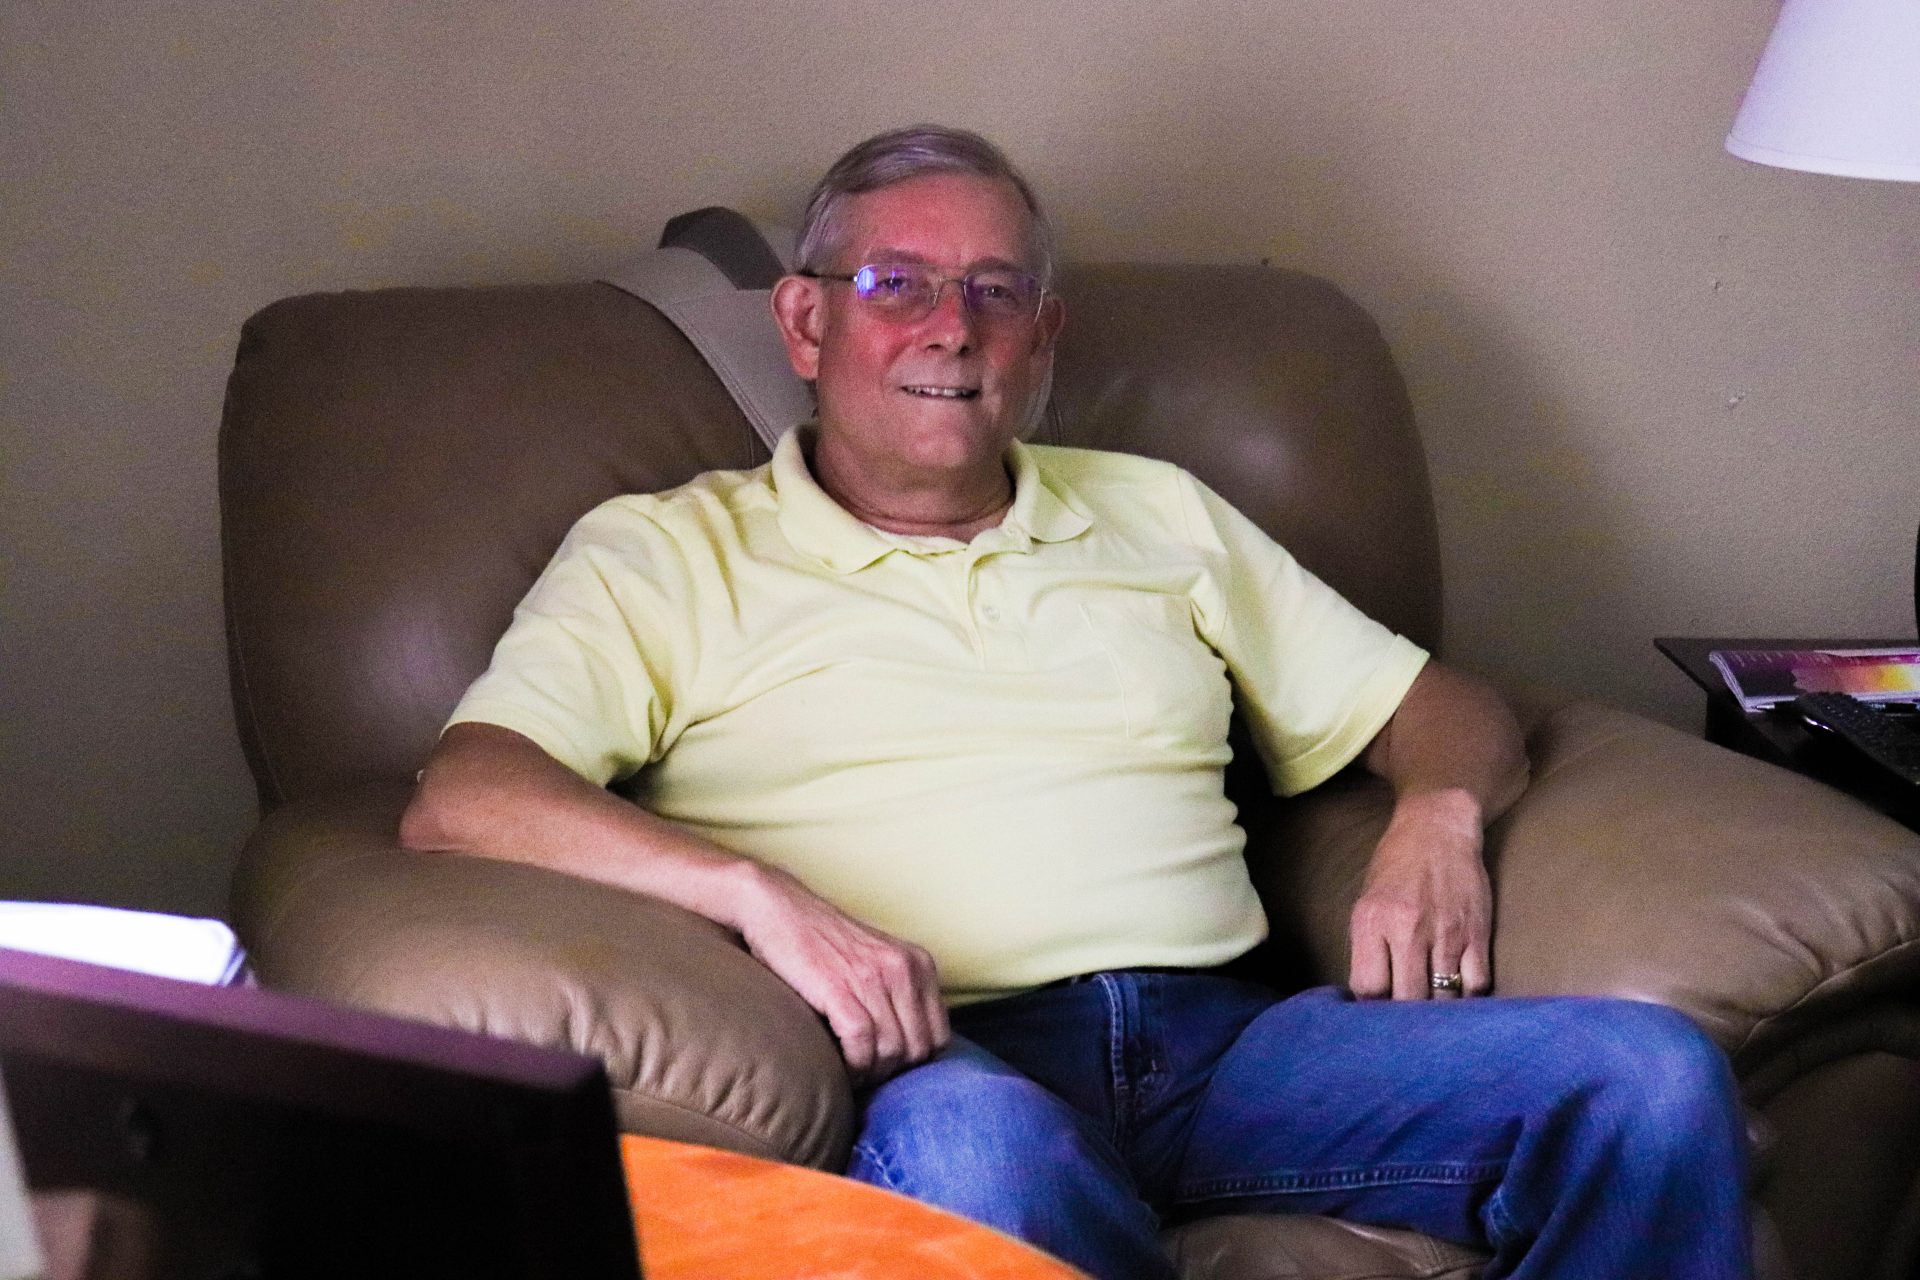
x=1452 y=743
x=490 y=792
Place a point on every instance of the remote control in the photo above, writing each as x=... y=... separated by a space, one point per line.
x=1888 y=741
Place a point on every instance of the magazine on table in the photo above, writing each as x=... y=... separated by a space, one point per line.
x=1762 y=678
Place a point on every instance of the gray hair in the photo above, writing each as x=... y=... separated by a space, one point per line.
x=900 y=154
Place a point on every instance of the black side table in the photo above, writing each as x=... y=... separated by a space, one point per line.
x=1778 y=737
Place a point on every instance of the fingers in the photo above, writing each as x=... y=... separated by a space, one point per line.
x=1464 y=952
x=885 y=1010
x=1476 y=972
x=880 y=996
x=853 y=1027
x=1370 y=966
x=912 y=993
x=922 y=1011
x=888 y=1014
x=1397 y=954
x=1410 y=968
x=1441 y=972
x=1391 y=943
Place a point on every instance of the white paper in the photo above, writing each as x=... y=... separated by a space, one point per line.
x=19 y=1242
x=184 y=947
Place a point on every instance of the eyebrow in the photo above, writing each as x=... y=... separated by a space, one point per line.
x=921 y=260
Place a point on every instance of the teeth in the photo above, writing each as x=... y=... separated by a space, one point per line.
x=944 y=393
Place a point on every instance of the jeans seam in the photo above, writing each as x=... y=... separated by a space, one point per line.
x=1449 y=1172
x=1501 y=1228
x=884 y=1167
x=1116 y=1059
x=1151 y=1050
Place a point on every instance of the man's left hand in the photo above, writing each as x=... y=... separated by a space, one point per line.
x=1456 y=761
x=1427 y=906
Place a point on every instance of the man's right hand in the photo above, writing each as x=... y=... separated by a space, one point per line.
x=490 y=792
x=879 y=995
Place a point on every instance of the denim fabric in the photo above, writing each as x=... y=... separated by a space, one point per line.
x=1577 y=1139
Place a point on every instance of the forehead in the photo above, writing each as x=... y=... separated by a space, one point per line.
x=950 y=219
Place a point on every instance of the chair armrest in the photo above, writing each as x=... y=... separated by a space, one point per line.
x=1646 y=863
x=701 y=1042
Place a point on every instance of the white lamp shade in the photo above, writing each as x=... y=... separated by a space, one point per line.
x=1837 y=91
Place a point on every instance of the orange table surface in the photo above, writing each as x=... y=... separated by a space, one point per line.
x=704 y=1214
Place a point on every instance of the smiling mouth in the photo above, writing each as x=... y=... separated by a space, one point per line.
x=943 y=393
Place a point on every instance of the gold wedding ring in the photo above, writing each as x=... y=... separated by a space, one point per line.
x=1445 y=982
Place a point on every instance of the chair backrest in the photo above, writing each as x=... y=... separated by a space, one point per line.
x=397 y=466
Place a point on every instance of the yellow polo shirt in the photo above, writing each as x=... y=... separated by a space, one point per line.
x=1009 y=751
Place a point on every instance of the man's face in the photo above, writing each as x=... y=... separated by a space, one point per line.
x=945 y=392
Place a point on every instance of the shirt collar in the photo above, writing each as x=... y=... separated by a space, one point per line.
x=1044 y=509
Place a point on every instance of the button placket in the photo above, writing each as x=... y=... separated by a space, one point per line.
x=967 y=614
x=1003 y=643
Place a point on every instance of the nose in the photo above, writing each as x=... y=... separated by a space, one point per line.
x=949 y=323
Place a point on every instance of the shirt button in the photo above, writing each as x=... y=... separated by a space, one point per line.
x=990 y=613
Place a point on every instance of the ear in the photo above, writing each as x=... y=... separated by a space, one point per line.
x=1046 y=329
x=800 y=311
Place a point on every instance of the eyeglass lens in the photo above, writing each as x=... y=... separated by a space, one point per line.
x=912 y=289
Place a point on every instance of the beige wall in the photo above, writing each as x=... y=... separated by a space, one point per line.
x=1635 y=358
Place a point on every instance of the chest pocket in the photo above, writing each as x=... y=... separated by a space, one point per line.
x=1173 y=687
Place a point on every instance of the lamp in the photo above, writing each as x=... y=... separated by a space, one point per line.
x=1837 y=91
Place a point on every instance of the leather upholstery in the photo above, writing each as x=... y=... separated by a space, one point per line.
x=396 y=467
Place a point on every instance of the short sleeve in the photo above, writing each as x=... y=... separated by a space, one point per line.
x=1317 y=678
x=589 y=667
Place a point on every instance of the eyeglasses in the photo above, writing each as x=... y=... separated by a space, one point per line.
x=909 y=291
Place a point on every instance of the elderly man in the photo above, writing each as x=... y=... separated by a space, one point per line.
x=936 y=722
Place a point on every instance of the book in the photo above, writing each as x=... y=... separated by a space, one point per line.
x=1762 y=678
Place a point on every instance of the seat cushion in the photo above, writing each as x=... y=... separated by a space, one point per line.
x=1305 y=1247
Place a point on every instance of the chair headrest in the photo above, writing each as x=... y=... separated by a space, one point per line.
x=713 y=277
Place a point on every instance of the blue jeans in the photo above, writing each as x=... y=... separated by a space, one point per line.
x=1577 y=1139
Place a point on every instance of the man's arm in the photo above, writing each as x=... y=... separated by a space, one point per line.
x=491 y=792
x=1456 y=761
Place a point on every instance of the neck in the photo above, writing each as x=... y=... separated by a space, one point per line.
x=941 y=506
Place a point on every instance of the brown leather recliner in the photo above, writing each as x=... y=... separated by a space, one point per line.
x=397 y=466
